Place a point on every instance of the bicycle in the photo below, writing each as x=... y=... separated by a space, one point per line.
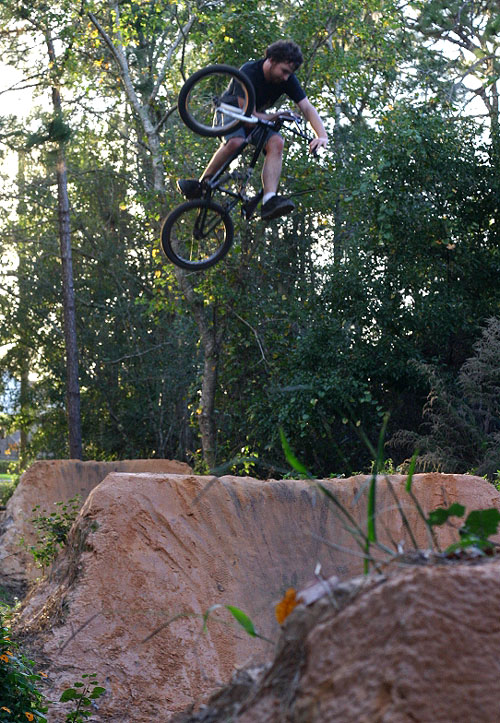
x=199 y=233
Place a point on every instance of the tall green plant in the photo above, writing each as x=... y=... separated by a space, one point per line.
x=52 y=530
x=474 y=534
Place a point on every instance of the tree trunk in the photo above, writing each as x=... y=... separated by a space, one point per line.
x=211 y=337
x=208 y=427
x=72 y=371
x=23 y=350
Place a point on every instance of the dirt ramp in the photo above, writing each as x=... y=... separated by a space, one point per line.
x=45 y=483
x=154 y=549
x=150 y=554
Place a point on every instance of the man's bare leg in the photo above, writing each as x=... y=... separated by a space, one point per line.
x=272 y=204
x=271 y=171
x=221 y=155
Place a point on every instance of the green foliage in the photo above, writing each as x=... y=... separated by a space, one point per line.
x=461 y=429
x=442 y=514
x=452 y=25
x=241 y=618
x=8 y=484
x=54 y=131
x=291 y=458
x=478 y=527
x=20 y=698
x=239 y=31
x=83 y=693
x=52 y=530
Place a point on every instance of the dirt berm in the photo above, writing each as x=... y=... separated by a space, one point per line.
x=45 y=483
x=151 y=554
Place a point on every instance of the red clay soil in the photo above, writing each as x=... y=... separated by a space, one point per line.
x=150 y=554
x=45 y=483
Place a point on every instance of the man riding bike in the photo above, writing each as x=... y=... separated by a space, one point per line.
x=271 y=78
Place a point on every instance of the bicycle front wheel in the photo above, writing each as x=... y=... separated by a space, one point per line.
x=197 y=234
x=201 y=96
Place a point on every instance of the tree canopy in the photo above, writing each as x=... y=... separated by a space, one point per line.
x=378 y=295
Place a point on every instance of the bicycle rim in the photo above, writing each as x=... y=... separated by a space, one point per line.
x=197 y=235
x=202 y=94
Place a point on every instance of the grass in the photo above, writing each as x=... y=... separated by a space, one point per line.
x=473 y=535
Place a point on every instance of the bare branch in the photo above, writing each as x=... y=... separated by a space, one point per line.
x=255 y=333
x=168 y=60
x=117 y=52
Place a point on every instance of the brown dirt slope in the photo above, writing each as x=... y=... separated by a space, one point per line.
x=45 y=483
x=151 y=553
x=416 y=644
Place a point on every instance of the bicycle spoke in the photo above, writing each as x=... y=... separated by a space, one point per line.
x=205 y=98
x=198 y=234
x=202 y=94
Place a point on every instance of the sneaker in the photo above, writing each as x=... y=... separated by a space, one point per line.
x=276 y=206
x=190 y=187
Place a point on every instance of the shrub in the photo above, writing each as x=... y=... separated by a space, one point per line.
x=461 y=429
x=19 y=696
x=52 y=530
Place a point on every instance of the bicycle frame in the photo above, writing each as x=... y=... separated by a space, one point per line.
x=215 y=183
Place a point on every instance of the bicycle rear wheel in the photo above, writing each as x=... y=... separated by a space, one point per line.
x=201 y=96
x=197 y=234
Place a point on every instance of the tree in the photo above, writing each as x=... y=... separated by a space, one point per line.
x=39 y=20
x=72 y=380
x=472 y=31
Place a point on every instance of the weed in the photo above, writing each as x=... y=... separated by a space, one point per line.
x=474 y=534
x=83 y=693
x=21 y=700
x=7 y=486
x=52 y=531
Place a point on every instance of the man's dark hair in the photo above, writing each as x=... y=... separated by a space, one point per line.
x=285 y=51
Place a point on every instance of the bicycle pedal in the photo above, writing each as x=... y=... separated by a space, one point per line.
x=249 y=207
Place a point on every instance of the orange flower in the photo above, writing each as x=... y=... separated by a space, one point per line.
x=5 y=658
x=285 y=606
x=30 y=716
x=7 y=709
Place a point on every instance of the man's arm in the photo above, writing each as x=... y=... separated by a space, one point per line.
x=312 y=117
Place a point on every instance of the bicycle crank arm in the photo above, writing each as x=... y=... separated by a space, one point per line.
x=249 y=207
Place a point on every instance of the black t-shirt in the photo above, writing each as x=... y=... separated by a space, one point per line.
x=266 y=94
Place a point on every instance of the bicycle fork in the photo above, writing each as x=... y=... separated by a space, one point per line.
x=202 y=226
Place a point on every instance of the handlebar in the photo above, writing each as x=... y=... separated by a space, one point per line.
x=296 y=131
x=272 y=124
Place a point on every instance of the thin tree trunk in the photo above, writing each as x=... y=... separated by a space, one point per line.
x=72 y=370
x=211 y=336
x=23 y=403
x=208 y=427
x=23 y=352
